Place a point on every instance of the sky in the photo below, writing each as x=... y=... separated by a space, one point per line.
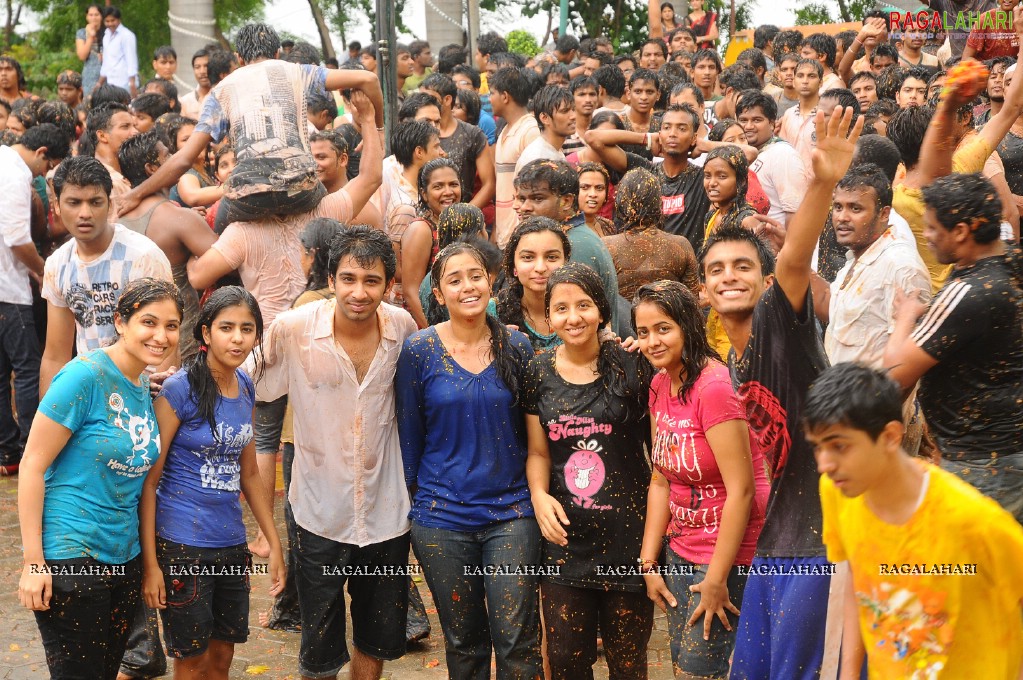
x=294 y=17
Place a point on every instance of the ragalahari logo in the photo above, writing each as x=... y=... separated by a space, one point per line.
x=931 y=23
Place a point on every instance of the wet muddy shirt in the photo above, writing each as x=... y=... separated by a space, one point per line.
x=784 y=356
x=684 y=203
x=973 y=397
x=599 y=474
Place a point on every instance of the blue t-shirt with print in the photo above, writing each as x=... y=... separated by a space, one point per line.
x=93 y=486
x=197 y=502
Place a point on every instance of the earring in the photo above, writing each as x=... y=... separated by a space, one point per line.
x=515 y=272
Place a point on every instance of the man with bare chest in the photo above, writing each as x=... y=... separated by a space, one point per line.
x=336 y=359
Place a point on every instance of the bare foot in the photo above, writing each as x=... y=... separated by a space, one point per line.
x=260 y=547
x=123 y=676
x=264 y=619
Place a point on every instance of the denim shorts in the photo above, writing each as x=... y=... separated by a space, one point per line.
x=379 y=603
x=690 y=653
x=207 y=596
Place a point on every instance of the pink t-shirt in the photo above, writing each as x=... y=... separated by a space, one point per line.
x=681 y=453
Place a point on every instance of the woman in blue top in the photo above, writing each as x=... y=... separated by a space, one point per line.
x=91 y=444
x=463 y=442
x=190 y=514
x=537 y=247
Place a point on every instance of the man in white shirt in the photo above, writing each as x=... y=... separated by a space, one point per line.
x=83 y=279
x=778 y=166
x=336 y=361
x=191 y=103
x=861 y=316
x=120 y=55
x=40 y=148
x=554 y=110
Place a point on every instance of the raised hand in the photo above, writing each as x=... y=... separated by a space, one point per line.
x=364 y=110
x=836 y=143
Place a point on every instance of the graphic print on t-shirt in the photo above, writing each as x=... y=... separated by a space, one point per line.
x=584 y=473
x=222 y=469
x=768 y=422
x=140 y=429
x=675 y=453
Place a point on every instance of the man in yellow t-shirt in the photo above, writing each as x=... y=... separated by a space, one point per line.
x=936 y=584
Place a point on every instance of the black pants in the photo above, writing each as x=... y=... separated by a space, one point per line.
x=86 y=628
x=571 y=617
x=19 y=354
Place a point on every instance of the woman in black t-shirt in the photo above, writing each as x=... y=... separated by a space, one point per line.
x=588 y=472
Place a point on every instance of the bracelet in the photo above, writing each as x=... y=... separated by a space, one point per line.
x=646 y=566
x=649 y=141
x=380 y=129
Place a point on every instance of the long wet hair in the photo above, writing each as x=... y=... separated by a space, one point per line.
x=507 y=358
x=202 y=386
x=423 y=208
x=638 y=201
x=619 y=383
x=679 y=304
x=317 y=235
x=736 y=159
x=509 y=300
x=459 y=220
x=143 y=292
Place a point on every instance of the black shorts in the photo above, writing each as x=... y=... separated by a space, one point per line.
x=379 y=603
x=207 y=596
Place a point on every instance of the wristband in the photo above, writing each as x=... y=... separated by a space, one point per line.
x=649 y=141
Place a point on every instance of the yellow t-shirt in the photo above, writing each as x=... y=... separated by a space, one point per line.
x=925 y=624
x=969 y=158
x=716 y=335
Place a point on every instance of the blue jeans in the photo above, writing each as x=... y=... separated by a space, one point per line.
x=511 y=623
x=19 y=353
x=1000 y=479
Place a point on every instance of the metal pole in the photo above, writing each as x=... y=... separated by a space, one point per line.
x=386 y=40
x=473 y=14
x=563 y=23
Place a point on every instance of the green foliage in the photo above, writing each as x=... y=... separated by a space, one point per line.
x=41 y=69
x=814 y=13
x=523 y=42
x=53 y=45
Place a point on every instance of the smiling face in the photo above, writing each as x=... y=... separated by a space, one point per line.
x=464 y=286
x=719 y=182
x=757 y=128
x=858 y=223
x=734 y=278
x=660 y=338
x=231 y=338
x=592 y=192
x=328 y=165
x=200 y=69
x=537 y=255
x=574 y=315
x=358 y=290
x=442 y=189
x=150 y=335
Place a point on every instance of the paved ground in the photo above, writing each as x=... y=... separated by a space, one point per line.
x=268 y=654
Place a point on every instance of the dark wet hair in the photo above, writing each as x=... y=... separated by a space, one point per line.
x=202 y=385
x=98 y=119
x=739 y=77
x=47 y=135
x=645 y=74
x=509 y=300
x=822 y=43
x=427 y=171
x=549 y=100
x=736 y=160
x=507 y=358
x=736 y=233
x=318 y=235
x=16 y=65
x=469 y=72
x=491 y=43
x=680 y=305
x=257 y=40
x=408 y=136
x=757 y=100
x=868 y=175
x=638 y=201
x=818 y=69
x=168 y=90
x=862 y=75
x=442 y=84
x=109 y=94
x=764 y=34
x=707 y=55
x=152 y=104
x=139 y=293
x=559 y=177
x=332 y=137
x=717 y=132
x=853 y=395
x=135 y=154
x=969 y=199
x=689 y=111
x=469 y=100
x=626 y=396
x=81 y=171
x=611 y=78
x=879 y=151
x=890 y=78
x=753 y=57
x=691 y=87
x=220 y=64
x=414 y=102
x=601 y=117
x=459 y=220
x=366 y=246
x=907 y=129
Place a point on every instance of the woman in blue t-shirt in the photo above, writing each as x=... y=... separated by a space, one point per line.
x=463 y=444
x=195 y=559
x=91 y=444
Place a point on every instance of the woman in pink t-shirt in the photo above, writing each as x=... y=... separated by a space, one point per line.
x=709 y=487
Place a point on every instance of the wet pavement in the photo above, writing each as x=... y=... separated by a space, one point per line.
x=268 y=654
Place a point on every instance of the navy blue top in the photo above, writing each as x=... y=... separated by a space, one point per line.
x=463 y=437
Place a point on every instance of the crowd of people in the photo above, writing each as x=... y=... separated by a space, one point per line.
x=607 y=331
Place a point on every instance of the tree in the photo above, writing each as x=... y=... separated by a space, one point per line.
x=326 y=44
x=814 y=13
